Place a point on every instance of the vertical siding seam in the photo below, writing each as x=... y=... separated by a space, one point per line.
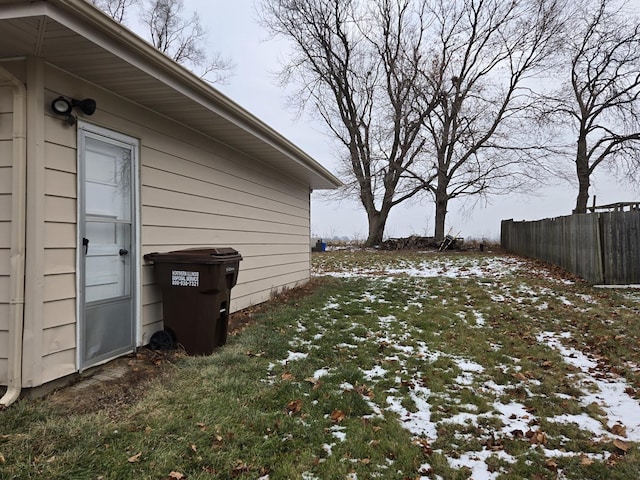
x=34 y=308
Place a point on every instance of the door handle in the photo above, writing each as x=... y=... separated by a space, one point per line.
x=123 y=251
x=85 y=244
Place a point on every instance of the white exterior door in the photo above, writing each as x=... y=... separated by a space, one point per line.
x=107 y=166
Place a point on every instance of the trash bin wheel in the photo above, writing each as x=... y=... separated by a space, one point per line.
x=162 y=340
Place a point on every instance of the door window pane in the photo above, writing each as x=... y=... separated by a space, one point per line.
x=107 y=266
x=108 y=180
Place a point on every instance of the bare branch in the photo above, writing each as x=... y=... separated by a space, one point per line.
x=116 y=9
x=181 y=38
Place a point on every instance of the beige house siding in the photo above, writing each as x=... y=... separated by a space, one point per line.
x=266 y=219
x=59 y=260
x=193 y=192
x=6 y=128
x=202 y=194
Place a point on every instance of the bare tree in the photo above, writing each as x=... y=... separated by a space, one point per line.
x=360 y=66
x=180 y=37
x=602 y=96
x=483 y=55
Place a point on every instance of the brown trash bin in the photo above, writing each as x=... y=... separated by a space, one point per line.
x=196 y=288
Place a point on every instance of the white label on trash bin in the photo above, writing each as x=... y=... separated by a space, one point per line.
x=181 y=278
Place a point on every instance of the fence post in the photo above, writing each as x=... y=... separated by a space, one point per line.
x=602 y=272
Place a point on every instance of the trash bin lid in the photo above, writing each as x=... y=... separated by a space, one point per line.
x=196 y=255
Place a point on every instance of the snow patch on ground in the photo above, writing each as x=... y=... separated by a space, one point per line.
x=293 y=356
x=610 y=395
x=376 y=372
x=417 y=422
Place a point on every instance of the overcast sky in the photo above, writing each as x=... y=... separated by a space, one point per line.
x=234 y=31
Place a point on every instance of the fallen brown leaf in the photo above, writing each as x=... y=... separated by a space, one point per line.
x=620 y=430
x=612 y=461
x=294 y=407
x=240 y=468
x=217 y=441
x=365 y=391
x=337 y=416
x=493 y=443
x=176 y=476
x=135 y=458
x=287 y=377
x=551 y=464
x=621 y=445
x=537 y=438
x=313 y=381
x=423 y=443
x=585 y=461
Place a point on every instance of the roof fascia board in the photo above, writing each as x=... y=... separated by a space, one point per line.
x=83 y=18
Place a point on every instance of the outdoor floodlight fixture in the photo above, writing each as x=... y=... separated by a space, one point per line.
x=64 y=107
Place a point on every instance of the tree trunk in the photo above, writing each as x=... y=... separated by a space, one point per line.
x=582 y=170
x=441 y=201
x=441 y=215
x=377 y=222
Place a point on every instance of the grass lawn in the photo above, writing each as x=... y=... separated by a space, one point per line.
x=396 y=366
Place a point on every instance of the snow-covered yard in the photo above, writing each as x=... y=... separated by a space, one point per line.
x=387 y=365
x=484 y=359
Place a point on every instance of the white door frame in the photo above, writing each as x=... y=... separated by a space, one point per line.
x=106 y=135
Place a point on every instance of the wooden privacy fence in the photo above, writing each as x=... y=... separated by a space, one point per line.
x=602 y=248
